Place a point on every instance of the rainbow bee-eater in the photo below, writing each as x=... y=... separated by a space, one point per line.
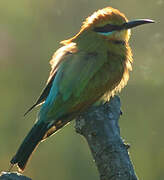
x=89 y=67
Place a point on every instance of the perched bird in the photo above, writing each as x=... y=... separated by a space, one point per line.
x=90 y=67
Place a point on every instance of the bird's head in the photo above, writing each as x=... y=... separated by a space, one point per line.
x=108 y=23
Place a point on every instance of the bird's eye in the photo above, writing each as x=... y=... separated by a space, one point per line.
x=107 y=28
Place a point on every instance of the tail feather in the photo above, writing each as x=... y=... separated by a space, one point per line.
x=29 y=144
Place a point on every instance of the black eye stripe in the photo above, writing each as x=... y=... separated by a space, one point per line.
x=108 y=28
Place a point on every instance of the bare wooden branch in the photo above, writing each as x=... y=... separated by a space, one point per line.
x=99 y=126
x=12 y=176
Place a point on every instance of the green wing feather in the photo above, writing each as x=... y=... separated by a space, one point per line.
x=78 y=71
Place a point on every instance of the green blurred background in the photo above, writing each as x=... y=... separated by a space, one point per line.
x=30 y=31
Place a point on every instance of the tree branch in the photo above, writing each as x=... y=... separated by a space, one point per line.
x=99 y=126
x=13 y=176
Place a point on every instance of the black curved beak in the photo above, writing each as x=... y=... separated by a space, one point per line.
x=137 y=22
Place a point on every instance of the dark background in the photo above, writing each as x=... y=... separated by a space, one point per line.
x=30 y=31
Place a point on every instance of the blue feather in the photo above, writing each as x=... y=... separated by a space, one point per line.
x=106 y=33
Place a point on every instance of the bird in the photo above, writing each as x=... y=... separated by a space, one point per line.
x=90 y=67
